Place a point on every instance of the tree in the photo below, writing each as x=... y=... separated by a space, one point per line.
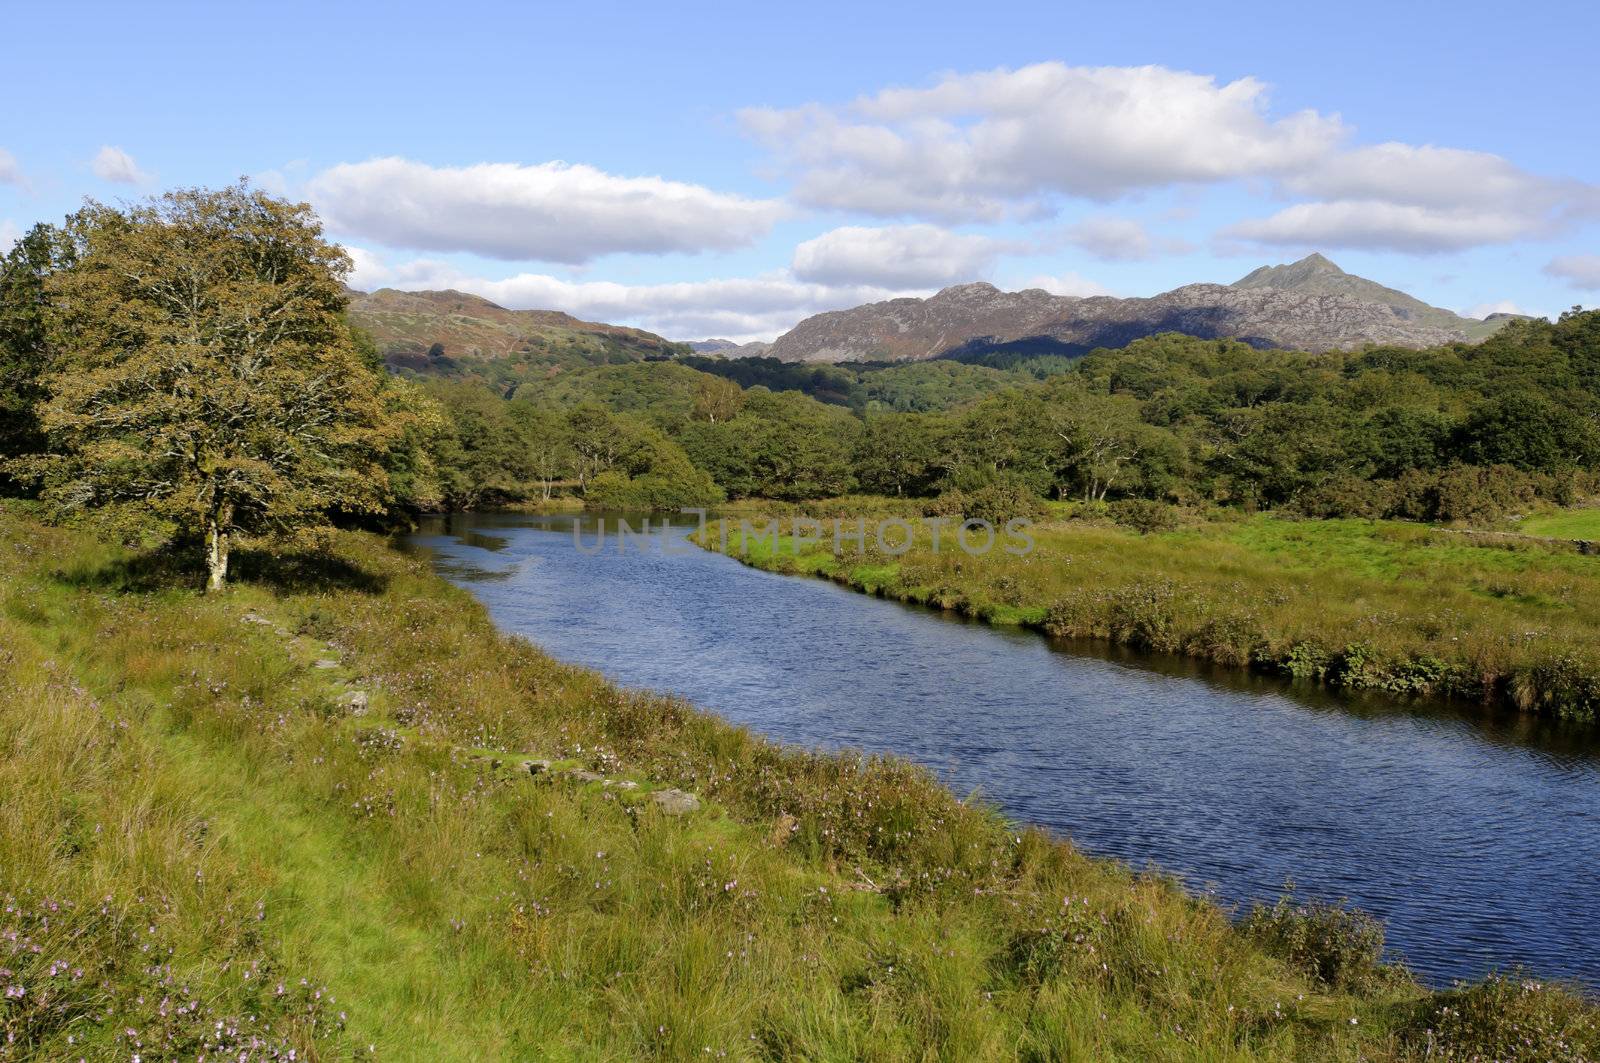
x=717 y=399
x=597 y=439
x=483 y=453
x=24 y=348
x=1527 y=430
x=1098 y=438
x=544 y=433
x=898 y=453
x=204 y=370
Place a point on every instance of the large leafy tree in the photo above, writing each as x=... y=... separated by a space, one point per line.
x=24 y=347
x=898 y=453
x=203 y=368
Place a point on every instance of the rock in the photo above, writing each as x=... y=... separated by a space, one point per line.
x=675 y=802
x=355 y=702
x=586 y=776
x=784 y=829
x=254 y=618
x=326 y=663
x=535 y=767
x=620 y=784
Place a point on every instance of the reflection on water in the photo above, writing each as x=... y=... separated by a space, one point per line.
x=1475 y=839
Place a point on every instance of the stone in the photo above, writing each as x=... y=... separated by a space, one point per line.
x=675 y=802
x=586 y=776
x=535 y=767
x=355 y=702
x=254 y=618
x=326 y=663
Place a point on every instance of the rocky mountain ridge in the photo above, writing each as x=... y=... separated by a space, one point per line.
x=1307 y=305
x=416 y=330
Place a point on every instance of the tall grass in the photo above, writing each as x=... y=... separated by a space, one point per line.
x=190 y=799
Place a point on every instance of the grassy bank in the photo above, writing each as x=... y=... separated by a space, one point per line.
x=294 y=817
x=1401 y=609
x=1565 y=524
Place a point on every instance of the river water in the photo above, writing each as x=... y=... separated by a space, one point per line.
x=1477 y=841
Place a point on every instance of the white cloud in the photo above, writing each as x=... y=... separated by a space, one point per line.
x=896 y=256
x=1502 y=306
x=1378 y=225
x=1013 y=143
x=1403 y=197
x=1426 y=176
x=552 y=212
x=10 y=169
x=1120 y=240
x=1580 y=271
x=1003 y=142
x=9 y=235
x=739 y=309
x=1068 y=284
x=116 y=165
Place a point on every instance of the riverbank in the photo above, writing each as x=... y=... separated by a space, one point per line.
x=1382 y=606
x=318 y=776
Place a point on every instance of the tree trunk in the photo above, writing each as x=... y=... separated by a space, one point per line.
x=217 y=547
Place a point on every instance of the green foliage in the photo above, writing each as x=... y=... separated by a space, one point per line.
x=783 y=446
x=1143 y=515
x=1333 y=944
x=1001 y=500
x=25 y=342
x=1508 y=1018
x=898 y=454
x=201 y=368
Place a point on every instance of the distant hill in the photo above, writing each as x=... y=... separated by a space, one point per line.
x=452 y=333
x=1308 y=305
x=728 y=348
x=1315 y=275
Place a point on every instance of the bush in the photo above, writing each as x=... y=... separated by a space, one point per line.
x=952 y=503
x=1143 y=515
x=1347 y=496
x=653 y=491
x=1336 y=945
x=1507 y=1019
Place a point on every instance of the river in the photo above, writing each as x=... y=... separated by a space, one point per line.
x=1477 y=841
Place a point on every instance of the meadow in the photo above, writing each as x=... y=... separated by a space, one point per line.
x=1582 y=523
x=293 y=821
x=1390 y=607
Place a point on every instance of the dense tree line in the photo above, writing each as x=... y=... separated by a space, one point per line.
x=1458 y=432
x=190 y=357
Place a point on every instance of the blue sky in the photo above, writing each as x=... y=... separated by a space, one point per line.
x=720 y=169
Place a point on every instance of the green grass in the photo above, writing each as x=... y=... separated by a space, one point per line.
x=187 y=802
x=1566 y=524
x=1385 y=606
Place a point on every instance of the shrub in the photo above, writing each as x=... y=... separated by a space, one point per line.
x=1336 y=945
x=654 y=491
x=1507 y=1019
x=1347 y=496
x=1143 y=515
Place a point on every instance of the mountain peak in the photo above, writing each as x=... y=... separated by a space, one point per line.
x=973 y=289
x=1318 y=261
x=1312 y=269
